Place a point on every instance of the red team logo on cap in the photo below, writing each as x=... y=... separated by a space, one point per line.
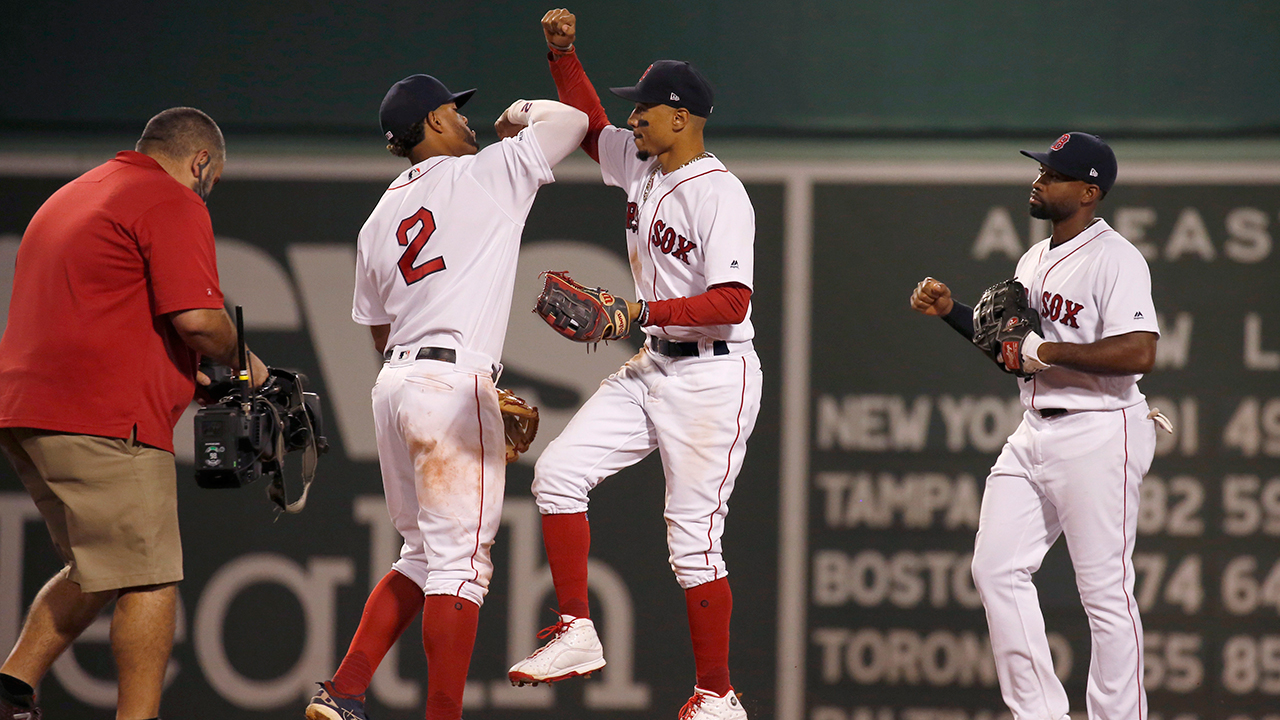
x=1061 y=141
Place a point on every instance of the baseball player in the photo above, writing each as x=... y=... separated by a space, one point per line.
x=692 y=392
x=1074 y=465
x=435 y=267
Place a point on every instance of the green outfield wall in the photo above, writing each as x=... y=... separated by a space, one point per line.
x=934 y=67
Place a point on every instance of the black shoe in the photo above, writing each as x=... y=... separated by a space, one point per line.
x=328 y=706
x=22 y=708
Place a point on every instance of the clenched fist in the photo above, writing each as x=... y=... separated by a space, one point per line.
x=932 y=297
x=559 y=27
x=514 y=119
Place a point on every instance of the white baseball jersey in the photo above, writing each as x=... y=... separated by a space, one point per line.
x=436 y=260
x=692 y=229
x=437 y=257
x=1077 y=474
x=686 y=231
x=1094 y=286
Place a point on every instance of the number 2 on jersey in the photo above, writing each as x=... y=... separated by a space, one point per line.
x=410 y=273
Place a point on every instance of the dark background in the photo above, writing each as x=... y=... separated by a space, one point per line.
x=806 y=90
x=872 y=245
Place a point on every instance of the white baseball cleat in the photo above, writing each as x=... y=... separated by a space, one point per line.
x=706 y=705
x=573 y=651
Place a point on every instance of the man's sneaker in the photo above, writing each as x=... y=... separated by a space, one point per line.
x=19 y=710
x=706 y=705
x=325 y=705
x=574 y=650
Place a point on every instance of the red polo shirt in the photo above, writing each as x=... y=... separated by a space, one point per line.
x=87 y=348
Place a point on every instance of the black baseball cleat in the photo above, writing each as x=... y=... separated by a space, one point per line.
x=327 y=705
x=19 y=708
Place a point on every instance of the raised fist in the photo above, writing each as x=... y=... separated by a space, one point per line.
x=559 y=27
x=931 y=297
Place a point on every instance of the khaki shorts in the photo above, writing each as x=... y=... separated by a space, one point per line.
x=111 y=505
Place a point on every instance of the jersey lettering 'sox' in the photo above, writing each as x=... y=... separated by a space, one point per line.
x=1056 y=307
x=665 y=238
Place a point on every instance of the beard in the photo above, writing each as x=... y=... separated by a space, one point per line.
x=641 y=155
x=1046 y=211
x=204 y=186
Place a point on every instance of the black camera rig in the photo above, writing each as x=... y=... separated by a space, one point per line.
x=245 y=432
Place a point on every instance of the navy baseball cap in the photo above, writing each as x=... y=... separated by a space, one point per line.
x=411 y=99
x=671 y=82
x=1081 y=156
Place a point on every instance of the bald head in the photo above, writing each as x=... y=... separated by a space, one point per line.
x=178 y=133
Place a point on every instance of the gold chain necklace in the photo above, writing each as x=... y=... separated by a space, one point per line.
x=654 y=173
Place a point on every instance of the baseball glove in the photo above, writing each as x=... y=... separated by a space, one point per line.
x=1002 y=320
x=580 y=313
x=519 y=421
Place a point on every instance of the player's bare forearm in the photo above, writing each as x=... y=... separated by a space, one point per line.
x=380 y=334
x=1128 y=354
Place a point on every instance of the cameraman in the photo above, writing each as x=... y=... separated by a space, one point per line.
x=115 y=297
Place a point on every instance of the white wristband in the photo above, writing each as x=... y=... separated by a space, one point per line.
x=1031 y=361
x=518 y=112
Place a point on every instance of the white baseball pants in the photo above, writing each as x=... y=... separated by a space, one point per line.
x=1076 y=475
x=443 y=457
x=697 y=412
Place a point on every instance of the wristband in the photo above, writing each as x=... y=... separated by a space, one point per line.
x=1031 y=361
x=643 y=318
x=518 y=112
x=557 y=50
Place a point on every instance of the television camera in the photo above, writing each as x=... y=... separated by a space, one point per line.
x=244 y=433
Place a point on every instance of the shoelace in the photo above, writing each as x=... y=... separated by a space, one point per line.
x=691 y=707
x=555 y=630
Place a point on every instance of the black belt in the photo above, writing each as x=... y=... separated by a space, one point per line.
x=685 y=349
x=1052 y=412
x=448 y=355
